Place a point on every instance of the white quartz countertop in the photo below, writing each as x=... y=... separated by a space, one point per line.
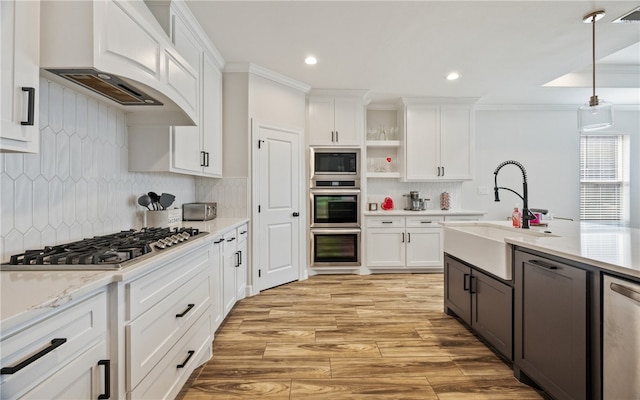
x=24 y=295
x=610 y=248
x=441 y=213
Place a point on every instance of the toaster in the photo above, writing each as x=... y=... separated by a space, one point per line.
x=199 y=211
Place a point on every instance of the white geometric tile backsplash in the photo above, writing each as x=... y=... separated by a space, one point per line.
x=79 y=184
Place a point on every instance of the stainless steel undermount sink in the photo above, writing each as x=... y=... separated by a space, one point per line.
x=483 y=245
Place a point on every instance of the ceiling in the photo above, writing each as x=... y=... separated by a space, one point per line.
x=504 y=51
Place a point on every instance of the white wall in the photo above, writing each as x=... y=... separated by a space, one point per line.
x=546 y=142
x=79 y=184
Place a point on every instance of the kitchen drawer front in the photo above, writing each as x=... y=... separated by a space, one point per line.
x=243 y=231
x=81 y=325
x=165 y=380
x=145 y=292
x=424 y=222
x=385 y=222
x=154 y=332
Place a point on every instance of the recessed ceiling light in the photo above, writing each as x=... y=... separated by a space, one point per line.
x=453 y=76
x=311 y=60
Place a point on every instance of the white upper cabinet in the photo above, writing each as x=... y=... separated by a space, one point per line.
x=335 y=119
x=19 y=88
x=193 y=150
x=439 y=141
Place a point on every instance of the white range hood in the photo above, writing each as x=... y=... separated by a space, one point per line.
x=116 y=49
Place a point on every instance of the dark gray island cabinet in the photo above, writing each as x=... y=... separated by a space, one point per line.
x=557 y=325
x=484 y=303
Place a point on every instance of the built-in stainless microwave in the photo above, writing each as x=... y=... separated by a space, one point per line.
x=332 y=167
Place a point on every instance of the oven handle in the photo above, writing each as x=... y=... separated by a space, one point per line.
x=325 y=231
x=334 y=191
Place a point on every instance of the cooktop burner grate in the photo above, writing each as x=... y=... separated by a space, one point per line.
x=101 y=252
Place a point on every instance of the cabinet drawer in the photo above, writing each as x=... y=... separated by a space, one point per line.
x=424 y=222
x=81 y=325
x=148 y=290
x=154 y=332
x=242 y=233
x=166 y=379
x=385 y=222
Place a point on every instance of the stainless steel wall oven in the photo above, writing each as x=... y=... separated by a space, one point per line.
x=335 y=247
x=335 y=208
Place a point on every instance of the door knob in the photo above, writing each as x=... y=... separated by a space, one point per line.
x=296 y=214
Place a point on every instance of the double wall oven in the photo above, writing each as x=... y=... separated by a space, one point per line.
x=334 y=197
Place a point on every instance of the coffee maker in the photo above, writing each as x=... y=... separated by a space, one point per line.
x=415 y=202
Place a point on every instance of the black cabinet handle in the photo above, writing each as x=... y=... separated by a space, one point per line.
x=107 y=379
x=333 y=137
x=473 y=286
x=402 y=237
x=219 y=241
x=438 y=171
x=239 y=258
x=202 y=158
x=55 y=343
x=442 y=171
x=206 y=154
x=408 y=237
x=387 y=222
x=231 y=240
x=243 y=232
x=426 y=222
x=182 y=314
x=465 y=284
x=191 y=353
x=542 y=264
x=31 y=92
x=337 y=137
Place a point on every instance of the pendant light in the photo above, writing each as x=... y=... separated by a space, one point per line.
x=596 y=114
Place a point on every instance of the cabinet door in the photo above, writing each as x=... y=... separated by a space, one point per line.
x=241 y=270
x=551 y=325
x=456 y=142
x=320 y=119
x=422 y=143
x=347 y=117
x=386 y=247
x=217 y=307
x=186 y=155
x=212 y=118
x=424 y=248
x=229 y=287
x=20 y=44
x=457 y=278
x=492 y=306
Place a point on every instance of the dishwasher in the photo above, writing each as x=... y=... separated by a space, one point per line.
x=621 y=339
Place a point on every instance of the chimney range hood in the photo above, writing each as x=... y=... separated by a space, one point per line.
x=116 y=49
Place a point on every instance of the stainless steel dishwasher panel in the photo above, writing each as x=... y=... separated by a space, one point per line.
x=621 y=339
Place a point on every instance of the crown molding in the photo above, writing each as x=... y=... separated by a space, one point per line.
x=254 y=69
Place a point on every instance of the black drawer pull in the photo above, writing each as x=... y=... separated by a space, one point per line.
x=465 y=282
x=473 y=284
x=55 y=343
x=387 y=222
x=31 y=105
x=182 y=314
x=243 y=232
x=107 y=379
x=543 y=264
x=426 y=222
x=218 y=241
x=231 y=240
x=191 y=353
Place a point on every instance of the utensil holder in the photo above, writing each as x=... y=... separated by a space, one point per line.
x=163 y=218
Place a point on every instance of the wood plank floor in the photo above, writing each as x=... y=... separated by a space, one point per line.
x=351 y=337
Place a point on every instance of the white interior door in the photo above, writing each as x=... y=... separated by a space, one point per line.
x=278 y=190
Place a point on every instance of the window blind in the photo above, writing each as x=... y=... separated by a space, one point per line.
x=601 y=178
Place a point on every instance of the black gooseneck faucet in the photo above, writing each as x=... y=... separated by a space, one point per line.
x=527 y=215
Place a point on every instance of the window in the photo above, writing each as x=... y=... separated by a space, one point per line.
x=604 y=182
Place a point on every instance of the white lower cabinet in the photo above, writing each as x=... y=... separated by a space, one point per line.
x=168 y=333
x=234 y=273
x=62 y=355
x=398 y=242
x=217 y=262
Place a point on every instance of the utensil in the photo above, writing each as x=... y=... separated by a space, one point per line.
x=154 y=199
x=166 y=200
x=144 y=201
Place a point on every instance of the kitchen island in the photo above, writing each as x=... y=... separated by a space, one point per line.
x=538 y=296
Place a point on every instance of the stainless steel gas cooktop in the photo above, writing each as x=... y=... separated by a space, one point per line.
x=108 y=252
